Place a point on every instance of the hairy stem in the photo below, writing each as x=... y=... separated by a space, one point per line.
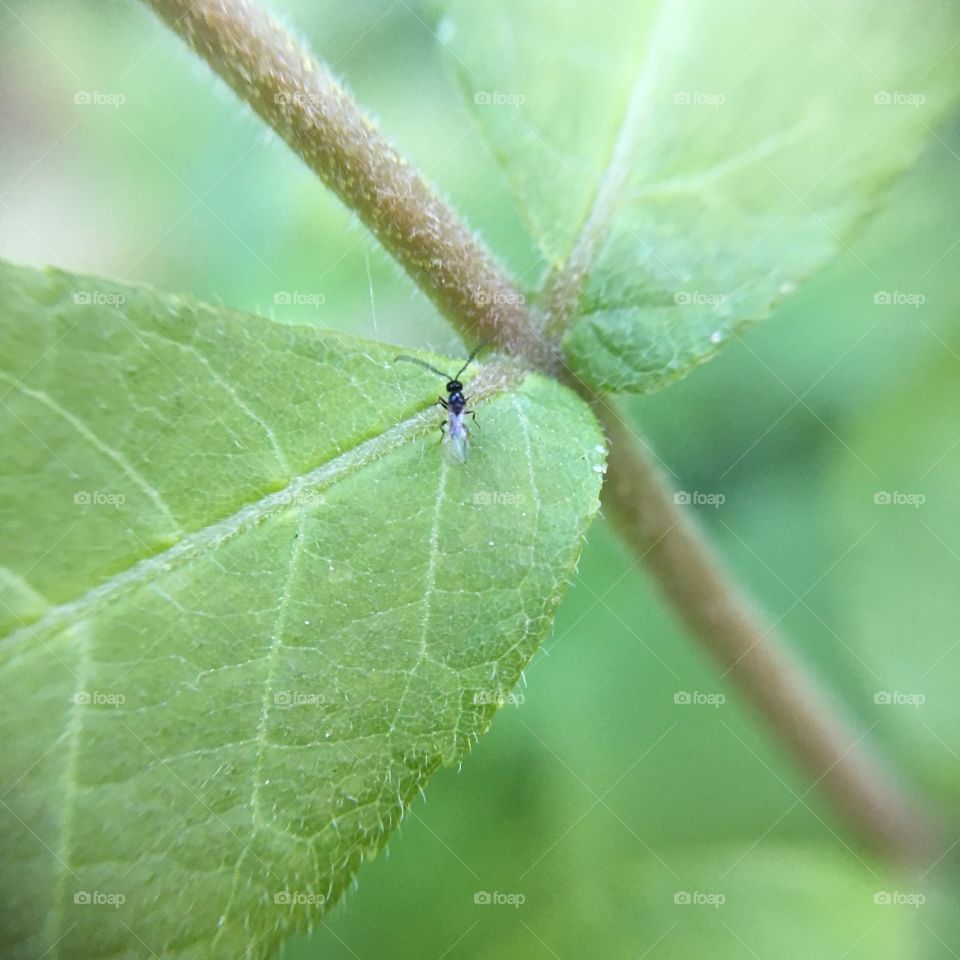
x=299 y=98
x=317 y=117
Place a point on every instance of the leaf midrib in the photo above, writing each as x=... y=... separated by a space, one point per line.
x=200 y=541
x=563 y=288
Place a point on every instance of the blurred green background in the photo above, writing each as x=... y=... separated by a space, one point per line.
x=599 y=799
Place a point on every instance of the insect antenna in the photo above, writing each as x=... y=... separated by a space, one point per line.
x=423 y=363
x=475 y=351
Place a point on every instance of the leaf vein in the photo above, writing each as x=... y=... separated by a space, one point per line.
x=115 y=455
x=201 y=541
x=261 y=736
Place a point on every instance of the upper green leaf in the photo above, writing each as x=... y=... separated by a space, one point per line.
x=248 y=607
x=683 y=163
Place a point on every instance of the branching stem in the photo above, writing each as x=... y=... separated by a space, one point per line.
x=316 y=116
x=300 y=99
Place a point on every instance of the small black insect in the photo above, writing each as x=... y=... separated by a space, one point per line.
x=455 y=403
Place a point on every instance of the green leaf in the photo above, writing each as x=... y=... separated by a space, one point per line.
x=684 y=163
x=249 y=607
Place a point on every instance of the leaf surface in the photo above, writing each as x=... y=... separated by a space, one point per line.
x=682 y=164
x=248 y=606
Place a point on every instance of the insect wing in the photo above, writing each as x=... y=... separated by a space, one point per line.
x=456 y=437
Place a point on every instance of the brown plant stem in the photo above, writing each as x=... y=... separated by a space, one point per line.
x=639 y=502
x=300 y=100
